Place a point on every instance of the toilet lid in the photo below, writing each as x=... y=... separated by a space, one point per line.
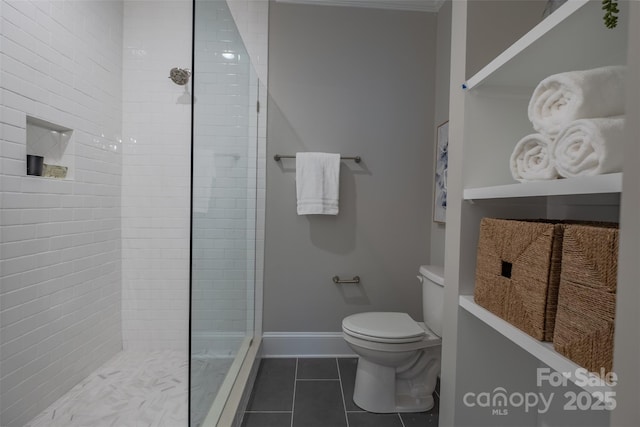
x=384 y=325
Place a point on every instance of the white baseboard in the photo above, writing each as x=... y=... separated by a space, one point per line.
x=305 y=344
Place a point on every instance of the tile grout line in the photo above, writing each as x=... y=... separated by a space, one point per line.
x=344 y=403
x=401 y=420
x=295 y=381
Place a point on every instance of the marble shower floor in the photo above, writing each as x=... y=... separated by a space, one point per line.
x=140 y=389
x=132 y=389
x=207 y=376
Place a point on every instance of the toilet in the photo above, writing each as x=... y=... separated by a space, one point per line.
x=399 y=358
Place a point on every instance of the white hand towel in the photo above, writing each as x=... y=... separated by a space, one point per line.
x=317 y=183
x=565 y=97
x=590 y=147
x=532 y=159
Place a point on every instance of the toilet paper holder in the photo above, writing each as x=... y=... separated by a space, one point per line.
x=337 y=279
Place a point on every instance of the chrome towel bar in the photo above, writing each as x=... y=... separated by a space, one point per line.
x=277 y=157
x=337 y=279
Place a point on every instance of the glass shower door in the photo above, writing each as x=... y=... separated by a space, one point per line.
x=225 y=93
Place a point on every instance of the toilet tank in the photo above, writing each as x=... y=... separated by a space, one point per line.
x=432 y=279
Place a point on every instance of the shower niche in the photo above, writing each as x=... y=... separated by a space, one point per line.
x=50 y=152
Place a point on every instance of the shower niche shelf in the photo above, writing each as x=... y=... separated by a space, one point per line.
x=53 y=143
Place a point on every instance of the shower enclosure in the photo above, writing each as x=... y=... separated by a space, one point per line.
x=225 y=179
x=144 y=258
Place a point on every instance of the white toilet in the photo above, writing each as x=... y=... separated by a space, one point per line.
x=399 y=358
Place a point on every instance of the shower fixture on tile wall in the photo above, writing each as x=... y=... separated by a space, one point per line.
x=180 y=76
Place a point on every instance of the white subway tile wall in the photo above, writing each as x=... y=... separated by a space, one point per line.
x=60 y=263
x=156 y=176
x=252 y=20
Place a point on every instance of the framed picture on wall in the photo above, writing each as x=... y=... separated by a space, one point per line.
x=440 y=180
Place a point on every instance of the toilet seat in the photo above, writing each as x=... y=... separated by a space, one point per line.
x=386 y=327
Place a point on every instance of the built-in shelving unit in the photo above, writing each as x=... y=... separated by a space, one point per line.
x=488 y=116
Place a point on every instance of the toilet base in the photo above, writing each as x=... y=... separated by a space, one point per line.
x=377 y=389
x=407 y=402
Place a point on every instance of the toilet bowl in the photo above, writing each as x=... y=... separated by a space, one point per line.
x=399 y=358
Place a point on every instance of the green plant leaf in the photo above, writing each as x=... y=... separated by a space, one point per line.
x=611 y=9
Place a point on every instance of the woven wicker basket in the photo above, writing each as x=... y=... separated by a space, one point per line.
x=518 y=273
x=587 y=296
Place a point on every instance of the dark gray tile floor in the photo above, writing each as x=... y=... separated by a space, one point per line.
x=317 y=392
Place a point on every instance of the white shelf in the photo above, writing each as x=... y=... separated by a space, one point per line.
x=542 y=351
x=566 y=40
x=599 y=184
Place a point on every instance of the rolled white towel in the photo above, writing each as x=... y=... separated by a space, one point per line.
x=565 y=97
x=590 y=147
x=532 y=159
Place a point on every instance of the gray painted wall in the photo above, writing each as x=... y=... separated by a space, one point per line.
x=494 y=25
x=358 y=82
x=443 y=68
